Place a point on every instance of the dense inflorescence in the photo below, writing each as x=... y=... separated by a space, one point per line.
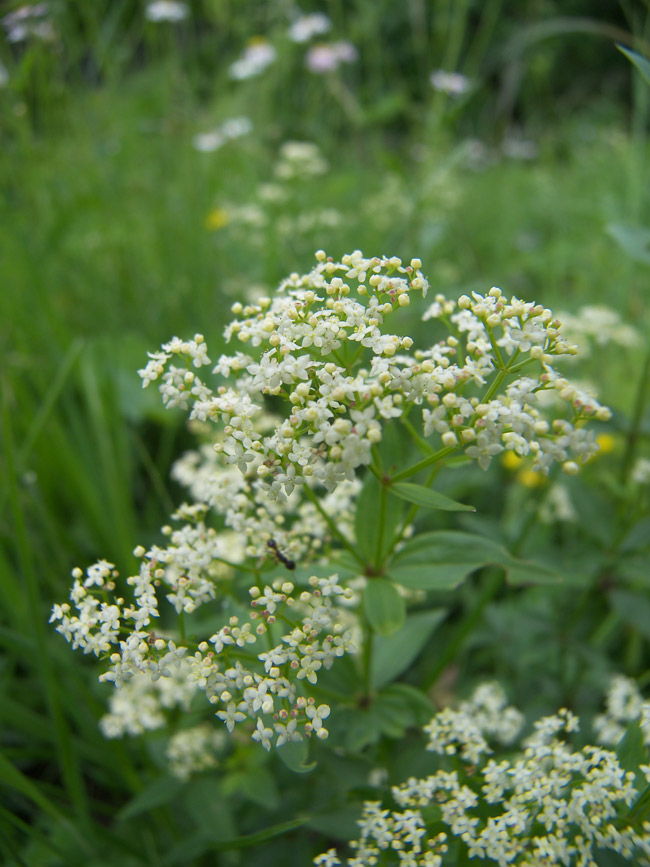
x=297 y=420
x=323 y=348
x=547 y=804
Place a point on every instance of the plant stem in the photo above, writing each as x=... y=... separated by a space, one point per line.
x=330 y=523
x=635 y=430
x=489 y=591
x=493 y=583
x=383 y=495
x=367 y=659
x=412 y=512
x=421 y=443
x=424 y=463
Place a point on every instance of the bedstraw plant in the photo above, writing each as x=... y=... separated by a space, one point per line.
x=299 y=587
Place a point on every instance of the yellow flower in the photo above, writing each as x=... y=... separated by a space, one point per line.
x=216 y=219
x=511 y=461
x=607 y=443
x=531 y=478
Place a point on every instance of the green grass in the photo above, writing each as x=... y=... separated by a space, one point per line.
x=104 y=254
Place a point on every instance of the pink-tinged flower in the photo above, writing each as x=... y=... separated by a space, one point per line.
x=324 y=58
x=29 y=21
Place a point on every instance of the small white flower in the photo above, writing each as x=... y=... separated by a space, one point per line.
x=258 y=55
x=166 y=10
x=262 y=734
x=641 y=471
x=306 y=27
x=451 y=83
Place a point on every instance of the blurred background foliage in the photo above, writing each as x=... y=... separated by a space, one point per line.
x=120 y=227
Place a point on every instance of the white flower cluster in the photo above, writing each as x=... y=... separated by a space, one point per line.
x=300 y=160
x=624 y=704
x=321 y=346
x=151 y=672
x=195 y=749
x=250 y=518
x=451 y=83
x=641 y=471
x=259 y=54
x=234 y=128
x=599 y=325
x=485 y=716
x=548 y=805
x=166 y=10
x=305 y=27
x=29 y=21
x=140 y=703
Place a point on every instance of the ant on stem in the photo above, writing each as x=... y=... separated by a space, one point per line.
x=273 y=545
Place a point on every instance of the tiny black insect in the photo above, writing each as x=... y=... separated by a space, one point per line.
x=273 y=545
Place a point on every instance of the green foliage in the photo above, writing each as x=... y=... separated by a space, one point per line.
x=107 y=250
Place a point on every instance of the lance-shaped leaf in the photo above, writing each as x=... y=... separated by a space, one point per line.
x=294 y=755
x=368 y=519
x=428 y=498
x=393 y=654
x=641 y=63
x=383 y=606
x=442 y=560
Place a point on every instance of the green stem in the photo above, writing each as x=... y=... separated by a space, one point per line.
x=491 y=588
x=495 y=348
x=635 y=430
x=421 y=443
x=410 y=515
x=330 y=523
x=367 y=660
x=466 y=626
x=495 y=385
x=383 y=494
x=424 y=463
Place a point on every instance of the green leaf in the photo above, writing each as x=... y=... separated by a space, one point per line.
x=441 y=560
x=631 y=751
x=633 y=608
x=257 y=784
x=208 y=801
x=641 y=63
x=338 y=824
x=428 y=498
x=161 y=791
x=633 y=240
x=640 y=808
x=395 y=709
x=383 y=606
x=294 y=755
x=188 y=849
x=436 y=576
x=393 y=654
x=367 y=519
x=450 y=546
x=637 y=537
x=419 y=705
x=528 y=572
x=11 y=776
